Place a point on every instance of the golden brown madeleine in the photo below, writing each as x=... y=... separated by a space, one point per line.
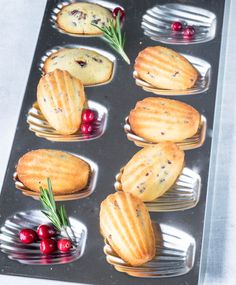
x=67 y=172
x=126 y=224
x=152 y=170
x=165 y=68
x=77 y=18
x=158 y=119
x=61 y=99
x=87 y=65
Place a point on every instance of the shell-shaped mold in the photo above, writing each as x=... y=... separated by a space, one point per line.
x=95 y=68
x=202 y=84
x=60 y=5
x=157 y=21
x=159 y=119
x=183 y=195
x=175 y=255
x=30 y=254
x=126 y=224
x=40 y=126
x=195 y=141
x=82 y=193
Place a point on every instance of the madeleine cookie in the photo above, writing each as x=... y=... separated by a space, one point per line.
x=158 y=119
x=61 y=99
x=77 y=18
x=126 y=224
x=67 y=172
x=152 y=171
x=165 y=68
x=87 y=65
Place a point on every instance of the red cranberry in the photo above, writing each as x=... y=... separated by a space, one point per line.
x=116 y=11
x=86 y=128
x=64 y=245
x=28 y=236
x=189 y=32
x=46 y=231
x=88 y=116
x=176 y=26
x=48 y=246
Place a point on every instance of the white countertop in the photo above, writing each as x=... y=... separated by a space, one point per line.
x=20 y=23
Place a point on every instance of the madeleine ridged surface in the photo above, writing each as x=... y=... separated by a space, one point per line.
x=77 y=18
x=126 y=224
x=61 y=99
x=152 y=171
x=88 y=66
x=67 y=172
x=157 y=119
x=165 y=68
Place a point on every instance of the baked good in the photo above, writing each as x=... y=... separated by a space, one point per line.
x=126 y=224
x=152 y=170
x=61 y=99
x=77 y=18
x=159 y=119
x=67 y=172
x=87 y=65
x=165 y=68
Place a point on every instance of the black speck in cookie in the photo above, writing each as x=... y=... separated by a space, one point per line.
x=97 y=59
x=96 y=21
x=81 y=63
x=175 y=74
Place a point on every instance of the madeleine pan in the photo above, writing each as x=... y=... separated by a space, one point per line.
x=40 y=126
x=183 y=195
x=157 y=21
x=106 y=54
x=202 y=84
x=64 y=197
x=106 y=4
x=175 y=254
x=30 y=253
x=195 y=141
x=112 y=149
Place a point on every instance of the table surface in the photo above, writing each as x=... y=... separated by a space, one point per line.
x=20 y=23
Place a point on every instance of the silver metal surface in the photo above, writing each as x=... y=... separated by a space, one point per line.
x=65 y=197
x=183 y=195
x=220 y=266
x=30 y=253
x=175 y=253
x=106 y=54
x=60 y=5
x=195 y=141
x=201 y=85
x=40 y=126
x=157 y=23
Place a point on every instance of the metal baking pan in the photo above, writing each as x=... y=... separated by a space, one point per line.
x=110 y=150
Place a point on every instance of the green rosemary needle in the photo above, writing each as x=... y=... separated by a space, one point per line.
x=112 y=34
x=56 y=214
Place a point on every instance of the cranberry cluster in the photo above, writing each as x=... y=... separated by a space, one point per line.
x=47 y=236
x=88 y=119
x=187 y=31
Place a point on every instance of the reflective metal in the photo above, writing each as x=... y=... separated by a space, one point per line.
x=183 y=195
x=157 y=21
x=30 y=253
x=175 y=254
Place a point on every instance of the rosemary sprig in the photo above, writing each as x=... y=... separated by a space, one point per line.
x=112 y=34
x=56 y=214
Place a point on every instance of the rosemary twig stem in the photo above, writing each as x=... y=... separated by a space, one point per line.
x=56 y=214
x=112 y=34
